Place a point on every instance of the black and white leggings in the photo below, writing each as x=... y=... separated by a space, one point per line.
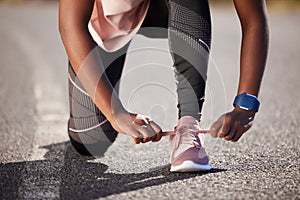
x=189 y=32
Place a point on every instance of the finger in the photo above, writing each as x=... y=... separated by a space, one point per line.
x=203 y=131
x=142 y=119
x=136 y=136
x=231 y=134
x=215 y=128
x=155 y=127
x=240 y=131
x=167 y=133
x=139 y=134
x=137 y=140
x=147 y=133
x=232 y=131
x=224 y=130
x=157 y=137
x=157 y=130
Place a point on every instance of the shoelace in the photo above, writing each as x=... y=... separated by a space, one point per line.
x=188 y=136
x=168 y=133
x=147 y=119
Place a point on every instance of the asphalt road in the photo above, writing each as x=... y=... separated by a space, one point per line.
x=38 y=162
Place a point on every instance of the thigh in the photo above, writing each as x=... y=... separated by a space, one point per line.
x=201 y=7
x=192 y=19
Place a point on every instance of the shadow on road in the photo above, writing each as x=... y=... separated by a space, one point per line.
x=66 y=175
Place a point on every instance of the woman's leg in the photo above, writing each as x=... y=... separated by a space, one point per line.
x=89 y=131
x=189 y=29
x=189 y=25
x=190 y=38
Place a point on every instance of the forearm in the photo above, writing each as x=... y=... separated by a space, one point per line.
x=255 y=41
x=74 y=16
x=232 y=125
x=253 y=58
x=87 y=64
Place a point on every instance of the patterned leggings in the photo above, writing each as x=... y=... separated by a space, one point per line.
x=189 y=33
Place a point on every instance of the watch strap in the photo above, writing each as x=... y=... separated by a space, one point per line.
x=247 y=102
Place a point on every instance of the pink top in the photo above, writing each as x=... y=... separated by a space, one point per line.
x=115 y=22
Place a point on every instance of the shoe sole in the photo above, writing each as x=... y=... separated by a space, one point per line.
x=190 y=166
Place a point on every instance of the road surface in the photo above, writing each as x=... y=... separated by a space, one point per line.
x=37 y=160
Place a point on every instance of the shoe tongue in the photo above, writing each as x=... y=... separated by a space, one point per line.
x=189 y=122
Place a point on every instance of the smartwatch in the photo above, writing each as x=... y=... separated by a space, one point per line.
x=246 y=102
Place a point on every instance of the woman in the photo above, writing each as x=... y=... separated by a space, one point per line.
x=96 y=34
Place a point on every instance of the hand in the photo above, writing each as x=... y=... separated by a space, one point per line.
x=140 y=127
x=232 y=125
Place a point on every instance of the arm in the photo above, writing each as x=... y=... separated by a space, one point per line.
x=254 y=49
x=73 y=20
x=255 y=41
x=81 y=49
